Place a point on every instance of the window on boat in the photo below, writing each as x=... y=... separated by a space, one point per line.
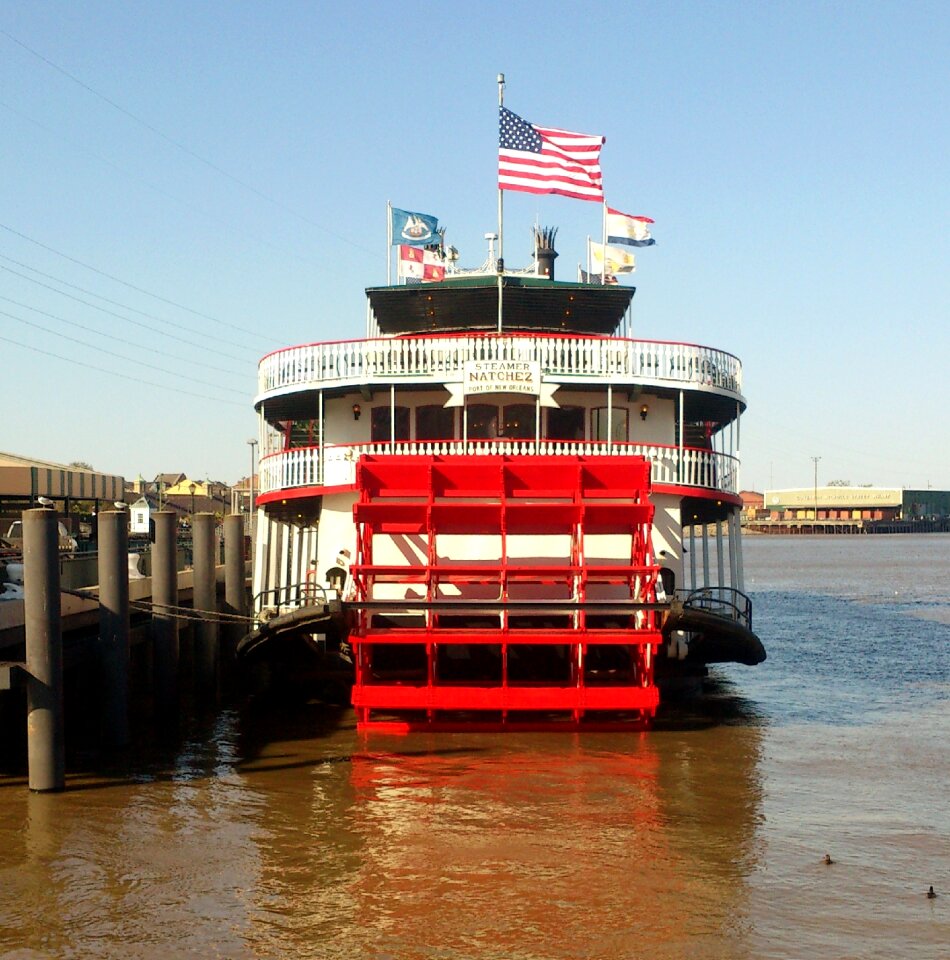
x=435 y=422
x=516 y=421
x=300 y=433
x=482 y=421
x=519 y=421
x=697 y=435
x=566 y=423
x=381 y=423
x=619 y=423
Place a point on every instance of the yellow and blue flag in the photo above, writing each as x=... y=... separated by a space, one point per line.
x=611 y=259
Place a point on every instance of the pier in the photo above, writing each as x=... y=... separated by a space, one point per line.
x=85 y=660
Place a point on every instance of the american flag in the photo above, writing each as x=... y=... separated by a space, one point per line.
x=545 y=160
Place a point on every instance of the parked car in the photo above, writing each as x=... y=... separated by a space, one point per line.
x=14 y=538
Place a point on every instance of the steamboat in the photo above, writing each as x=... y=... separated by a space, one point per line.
x=499 y=508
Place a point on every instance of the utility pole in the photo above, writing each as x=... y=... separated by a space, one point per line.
x=250 y=504
x=815 y=461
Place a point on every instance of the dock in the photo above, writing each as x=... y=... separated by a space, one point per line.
x=88 y=658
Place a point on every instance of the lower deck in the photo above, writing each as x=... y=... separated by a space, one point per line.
x=498 y=591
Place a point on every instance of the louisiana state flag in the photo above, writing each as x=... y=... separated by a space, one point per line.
x=416 y=229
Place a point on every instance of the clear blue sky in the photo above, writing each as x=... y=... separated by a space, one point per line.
x=225 y=168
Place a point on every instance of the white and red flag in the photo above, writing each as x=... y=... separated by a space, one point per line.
x=418 y=264
x=627 y=229
x=539 y=159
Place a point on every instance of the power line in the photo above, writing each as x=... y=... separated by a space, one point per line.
x=131 y=286
x=111 y=353
x=113 y=373
x=163 y=193
x=112 y=336
x=175 y=143
x=119 y=316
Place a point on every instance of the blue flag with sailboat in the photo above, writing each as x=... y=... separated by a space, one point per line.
x=416 y=229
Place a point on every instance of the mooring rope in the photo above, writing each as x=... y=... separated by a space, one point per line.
x=178 y=612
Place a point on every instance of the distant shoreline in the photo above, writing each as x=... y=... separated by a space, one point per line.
x=843 y=527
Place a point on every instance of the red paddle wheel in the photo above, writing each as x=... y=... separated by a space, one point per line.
x=504 y=592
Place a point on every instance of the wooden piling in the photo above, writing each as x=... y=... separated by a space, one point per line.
x=235 y=579
x=164 y=619
x=205 y=603
x=113 y=650
x=44 y=651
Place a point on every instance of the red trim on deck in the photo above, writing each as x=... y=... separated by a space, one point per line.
x=302 y=493
x=703 y=493
x=524 y=334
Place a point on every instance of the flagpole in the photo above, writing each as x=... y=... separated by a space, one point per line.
x=501 y=194
x=389 y=243
x=603 y=273
x=500 y=265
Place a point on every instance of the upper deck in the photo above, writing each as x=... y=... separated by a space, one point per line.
x=426 y=347
x=286 y=376
x=423 y=335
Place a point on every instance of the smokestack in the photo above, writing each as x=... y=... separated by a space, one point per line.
x=544 y=252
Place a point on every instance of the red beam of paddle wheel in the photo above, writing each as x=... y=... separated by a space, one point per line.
x=490 y=607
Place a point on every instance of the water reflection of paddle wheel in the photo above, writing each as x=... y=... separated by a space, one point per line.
x=504 y=591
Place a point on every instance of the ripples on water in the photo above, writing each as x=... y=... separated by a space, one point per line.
x=855 y=626
x=283 y=833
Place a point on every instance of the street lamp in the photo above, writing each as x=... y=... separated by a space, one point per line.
x=816 y=459
x=250 y=480
x=191 y=487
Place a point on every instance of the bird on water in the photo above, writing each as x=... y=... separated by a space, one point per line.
x=930 y=893
x=827 y=859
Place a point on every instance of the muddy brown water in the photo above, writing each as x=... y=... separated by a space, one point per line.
x=282 y=832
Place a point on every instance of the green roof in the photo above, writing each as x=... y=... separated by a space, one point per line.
x=528 y=303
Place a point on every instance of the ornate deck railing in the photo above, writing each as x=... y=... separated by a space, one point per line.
x=304 y=467
x=441 y=358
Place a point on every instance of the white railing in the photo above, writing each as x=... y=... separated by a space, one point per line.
x=302 y=467
x=442 y=358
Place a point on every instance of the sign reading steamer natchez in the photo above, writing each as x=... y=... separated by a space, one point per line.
x=501 y=376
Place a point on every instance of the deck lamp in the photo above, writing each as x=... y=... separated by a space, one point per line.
x=644 y=410
x=356 y=411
